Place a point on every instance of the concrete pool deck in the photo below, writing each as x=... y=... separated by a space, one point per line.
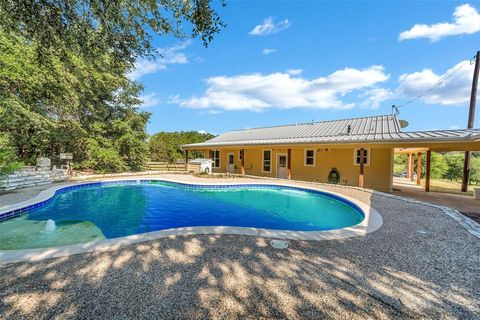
x=420 y=263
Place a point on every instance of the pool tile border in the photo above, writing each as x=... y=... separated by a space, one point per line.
x=372 y=221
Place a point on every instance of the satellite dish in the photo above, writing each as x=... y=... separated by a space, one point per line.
x=403 y=123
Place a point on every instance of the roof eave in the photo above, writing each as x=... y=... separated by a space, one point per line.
x=472 y=138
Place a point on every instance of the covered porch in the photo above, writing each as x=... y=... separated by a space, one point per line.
x=416 y=171
x=467 y=205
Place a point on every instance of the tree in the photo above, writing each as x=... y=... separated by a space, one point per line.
x=93 y=27
x=399 y=163
x=63 y=106
x=475 y=173
x=63 y=66
x=165 y=146
x=438 y=166
x=455 y=165
x=8 y=158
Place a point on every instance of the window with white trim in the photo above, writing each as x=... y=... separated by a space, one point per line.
x=366 y=156
x=309 y=158
x=215 y=156
x=267 y=160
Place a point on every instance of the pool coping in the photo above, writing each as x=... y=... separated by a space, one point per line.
x=372 y=221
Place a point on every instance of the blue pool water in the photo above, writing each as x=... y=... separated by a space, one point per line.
x=122 y=209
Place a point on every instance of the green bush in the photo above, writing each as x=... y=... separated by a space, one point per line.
x=59 y=105
x=8 y=158
x=165 y=146
x=399 y=163
x=475 y=173
x=454 y=165
x=104 y=159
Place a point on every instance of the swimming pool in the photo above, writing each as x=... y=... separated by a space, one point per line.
x=109 y=210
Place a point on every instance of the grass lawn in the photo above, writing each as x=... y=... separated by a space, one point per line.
x=447 y=186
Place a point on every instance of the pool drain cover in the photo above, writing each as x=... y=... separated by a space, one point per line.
x=279 y=244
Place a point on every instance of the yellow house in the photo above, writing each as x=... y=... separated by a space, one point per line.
x=353 y=152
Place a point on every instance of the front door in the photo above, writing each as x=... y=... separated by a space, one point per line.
x=230 y=163
x=282 y=166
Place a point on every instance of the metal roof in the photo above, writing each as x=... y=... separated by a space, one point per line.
x=383 y=128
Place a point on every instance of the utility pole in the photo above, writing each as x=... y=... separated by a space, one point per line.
x=471 y=120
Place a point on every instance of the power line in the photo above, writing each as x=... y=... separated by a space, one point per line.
x=439 y=83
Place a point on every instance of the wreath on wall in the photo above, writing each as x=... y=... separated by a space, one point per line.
x=334 y=176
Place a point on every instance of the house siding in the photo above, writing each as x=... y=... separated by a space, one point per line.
x=378 y=174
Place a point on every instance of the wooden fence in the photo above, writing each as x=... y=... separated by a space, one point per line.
x=165 y=166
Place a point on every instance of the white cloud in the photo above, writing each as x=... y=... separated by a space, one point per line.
x=214 y=111
x=454 y=127
x=257 y=91
x=143 y=67
x=171 y=55
x=375 y=96
x=294 y=72
x=454 y=91
x=149 y=100
x=267 y=51
x=269 y=27
x=466 y=20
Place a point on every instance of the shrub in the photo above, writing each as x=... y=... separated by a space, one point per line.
x=104 y=159
x=8 y=158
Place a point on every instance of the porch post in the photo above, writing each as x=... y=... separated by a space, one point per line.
x=186 y=161
x=242 y=163
x=412 y=166
x=289 y=164
x=419 y=167
x=427 y=171
x=408 y=165
x=362 y=169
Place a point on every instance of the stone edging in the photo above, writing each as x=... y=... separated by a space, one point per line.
x=372 y=221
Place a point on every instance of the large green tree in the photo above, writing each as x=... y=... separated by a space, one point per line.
x=438 y=165
x=124 y=29
x=63 y=66
x=8 y=158
x=70 y=104
x=165 y=146
x=455 y=165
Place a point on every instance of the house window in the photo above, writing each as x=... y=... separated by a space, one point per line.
x=310 y=157
x=366 y=156
x=267 y=161
x=215 y=156
x=240 y=155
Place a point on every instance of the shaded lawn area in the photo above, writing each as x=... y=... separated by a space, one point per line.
x=447 y=186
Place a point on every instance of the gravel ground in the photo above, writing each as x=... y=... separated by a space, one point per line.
x=419 y=264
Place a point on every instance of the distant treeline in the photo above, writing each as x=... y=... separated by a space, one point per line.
x=444 y=166
x=165 y=146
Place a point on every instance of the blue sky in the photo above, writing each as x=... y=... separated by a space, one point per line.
x=296 y=61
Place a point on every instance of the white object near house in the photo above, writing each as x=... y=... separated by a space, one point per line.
x=44 y=163
x=200 y=165
x=66 y=156
x=476 y=193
